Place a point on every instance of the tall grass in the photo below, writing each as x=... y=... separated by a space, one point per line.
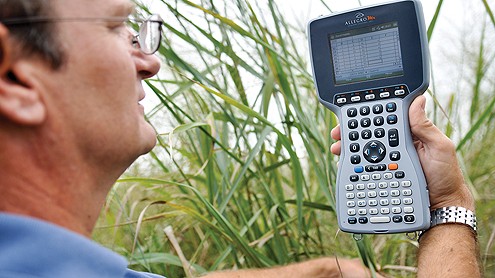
x=242 y=172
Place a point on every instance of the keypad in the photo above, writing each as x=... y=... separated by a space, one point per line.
x=379 y=191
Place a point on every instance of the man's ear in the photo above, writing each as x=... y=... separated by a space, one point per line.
x=20 y=102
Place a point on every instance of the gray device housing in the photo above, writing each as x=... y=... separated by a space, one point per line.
x=415 y=79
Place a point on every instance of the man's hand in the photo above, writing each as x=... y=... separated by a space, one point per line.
x=448 y=250
x=318 y=268
x=437 y=156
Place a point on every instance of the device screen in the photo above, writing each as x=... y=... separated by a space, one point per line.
x=366 y=54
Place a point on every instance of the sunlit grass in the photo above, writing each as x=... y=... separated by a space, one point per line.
x=243 y=171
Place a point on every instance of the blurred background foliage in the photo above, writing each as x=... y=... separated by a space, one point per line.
x=242 y=175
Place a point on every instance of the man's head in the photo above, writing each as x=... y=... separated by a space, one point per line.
x=75 y=85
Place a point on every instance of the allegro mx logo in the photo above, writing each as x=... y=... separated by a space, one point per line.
x=360 y=18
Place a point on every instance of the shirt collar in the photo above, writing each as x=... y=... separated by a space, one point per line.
x=30 y=246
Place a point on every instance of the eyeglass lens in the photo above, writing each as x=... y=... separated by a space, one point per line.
x=149 y=36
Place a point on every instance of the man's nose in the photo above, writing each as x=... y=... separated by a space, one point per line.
x=147 y=65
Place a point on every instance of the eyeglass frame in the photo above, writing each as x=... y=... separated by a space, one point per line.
x=154 y=18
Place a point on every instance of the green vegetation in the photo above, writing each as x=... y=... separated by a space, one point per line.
x=243 y=173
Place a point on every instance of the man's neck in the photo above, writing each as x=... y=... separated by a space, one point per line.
x=44 y=186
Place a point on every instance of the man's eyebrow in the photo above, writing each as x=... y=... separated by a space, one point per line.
x=124 y=9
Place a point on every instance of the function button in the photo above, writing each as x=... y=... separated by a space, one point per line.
x=354 y=178
x=369 y=96
x=407 y=192
x=379 y=132
x=360 y=186
x=399 y=175
x=397 y=218
x=383 y=193
x=384 y=202
x=351 y=212
x=365 y=122
x=358 y=169
x=373 y=211
x=395 y=156
x=376 y=176
x=355 y=159
x=384 y=94
x=365 y=177
x=363 y=220
x=372 y=194
x=352 y=220
x=354 y=147
x=400 y=92
x=341 y=100
x=393 y=137
x=396 y=210
x=373 y=203
x=378 y=120
x=384 y=210
x=405 y=183
x=362 y=211
x=351 y=204
x=365 y=110
x=394 y=184
x=395 y=202
x=352 y=124
x=366 y=134
x=349 y=195
x=353 y=135
x=391 y=107
x=408 y=201
x=376 y=167
x=377 y=109
x=349 y=187
x=393 y=166
x=392 y=119
x=361 y=195
x=352 y=112
x=380 y=219
x=374 y=151
x=371 y=185
x=408 y=210
x=355 y=98
x=409 y=218
x=387 y=176
x=382 y=185
x=361 y=203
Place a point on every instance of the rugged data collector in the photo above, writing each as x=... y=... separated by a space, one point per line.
x=368 y=65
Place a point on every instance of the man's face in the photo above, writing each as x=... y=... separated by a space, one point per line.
x=96 y=92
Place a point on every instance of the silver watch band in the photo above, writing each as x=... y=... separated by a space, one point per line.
x=453 y=215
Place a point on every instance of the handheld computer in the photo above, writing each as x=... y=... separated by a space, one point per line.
x=368 y=65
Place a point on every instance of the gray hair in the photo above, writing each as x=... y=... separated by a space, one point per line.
x=34 y=38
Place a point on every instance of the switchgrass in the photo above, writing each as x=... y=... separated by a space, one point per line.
x=242 y=175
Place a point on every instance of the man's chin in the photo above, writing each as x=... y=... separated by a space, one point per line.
x=149 y=142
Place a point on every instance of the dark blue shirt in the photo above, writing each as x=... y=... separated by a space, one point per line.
x=33 y=248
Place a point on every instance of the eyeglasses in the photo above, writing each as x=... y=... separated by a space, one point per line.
x=147 y=39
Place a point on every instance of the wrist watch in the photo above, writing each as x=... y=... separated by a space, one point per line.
x=453 y=214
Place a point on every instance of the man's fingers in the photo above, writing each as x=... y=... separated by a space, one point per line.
x=335 y=148
x=335 y=133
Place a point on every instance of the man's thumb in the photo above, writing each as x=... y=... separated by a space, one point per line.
x=421 y=127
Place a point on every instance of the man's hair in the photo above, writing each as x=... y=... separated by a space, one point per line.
x=34 y=38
